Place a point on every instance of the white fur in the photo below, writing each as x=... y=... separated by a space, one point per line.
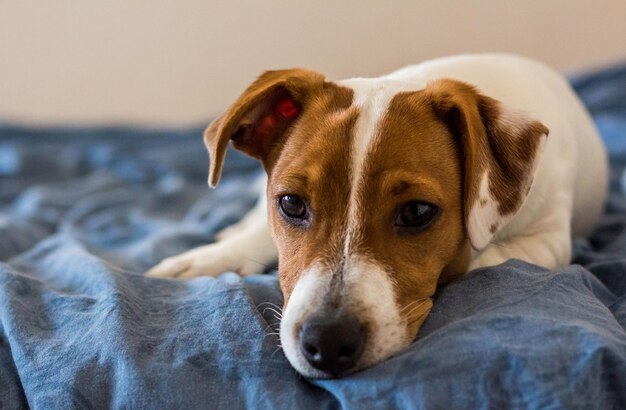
x=307 y=295
x=369 y=291
x=482 y=217
x=372 y=102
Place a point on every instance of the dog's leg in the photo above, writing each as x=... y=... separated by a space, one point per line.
x=548 y=243
x=248 y=248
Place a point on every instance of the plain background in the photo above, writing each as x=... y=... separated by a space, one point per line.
x=165 y=62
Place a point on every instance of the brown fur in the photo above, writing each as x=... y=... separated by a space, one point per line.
x=314 y=164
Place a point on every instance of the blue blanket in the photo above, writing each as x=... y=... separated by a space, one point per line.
x=83 y=212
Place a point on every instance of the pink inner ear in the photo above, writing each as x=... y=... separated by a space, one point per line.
x=287 y=108
x=266 y=125
x=284 y=109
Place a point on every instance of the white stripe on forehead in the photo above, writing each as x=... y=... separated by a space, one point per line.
x=372 y=97
x=372 y=102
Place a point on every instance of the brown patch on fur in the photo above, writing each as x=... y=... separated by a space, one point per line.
x=513 y=148
x=489 y=142
x=483 y=202
x=315 y=164
x=493 y=228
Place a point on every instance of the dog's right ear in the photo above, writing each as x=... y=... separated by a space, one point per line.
x=500 y=149
x=261 y=116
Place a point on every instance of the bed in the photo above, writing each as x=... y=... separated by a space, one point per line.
x=84 y=211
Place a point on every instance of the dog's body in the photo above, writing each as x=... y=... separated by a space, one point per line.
x=381 y=189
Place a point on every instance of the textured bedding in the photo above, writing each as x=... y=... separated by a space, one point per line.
x=83 y=212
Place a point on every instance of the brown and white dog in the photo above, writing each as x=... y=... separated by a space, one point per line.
x=381 y=189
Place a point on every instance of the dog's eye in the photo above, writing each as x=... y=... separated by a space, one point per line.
x=293 y=206
x=416 y=215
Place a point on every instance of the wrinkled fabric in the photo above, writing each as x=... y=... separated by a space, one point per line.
x=83 y=212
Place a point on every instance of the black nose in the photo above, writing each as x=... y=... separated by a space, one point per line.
x=332 y=343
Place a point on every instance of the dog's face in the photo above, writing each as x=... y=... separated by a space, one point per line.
x=377 y=192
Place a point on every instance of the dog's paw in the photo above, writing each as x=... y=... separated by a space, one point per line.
x=209 y=260
x=245 y=252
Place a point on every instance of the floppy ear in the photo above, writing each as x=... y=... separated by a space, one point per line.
x=261 y=116
x=500 y=149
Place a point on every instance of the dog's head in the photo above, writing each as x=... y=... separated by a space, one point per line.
x=378 y=190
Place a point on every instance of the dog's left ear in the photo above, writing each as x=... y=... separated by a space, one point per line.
x=261 y=116
x=499 y=148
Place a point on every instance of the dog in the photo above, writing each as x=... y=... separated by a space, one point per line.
x=379 y=190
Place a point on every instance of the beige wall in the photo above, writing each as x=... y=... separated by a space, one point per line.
x=176 y=62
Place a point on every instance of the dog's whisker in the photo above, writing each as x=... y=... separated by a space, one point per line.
x=417 y=318
x=265 y=303
x=416 y=308
x=271 y=304
x=408 y=305
x=274 y=328
x=413 y=308
x=280 y=347
x=276 y=313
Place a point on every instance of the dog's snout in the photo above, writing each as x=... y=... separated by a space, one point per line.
x=332 y=344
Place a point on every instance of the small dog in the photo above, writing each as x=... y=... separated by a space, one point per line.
x=381 y=189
